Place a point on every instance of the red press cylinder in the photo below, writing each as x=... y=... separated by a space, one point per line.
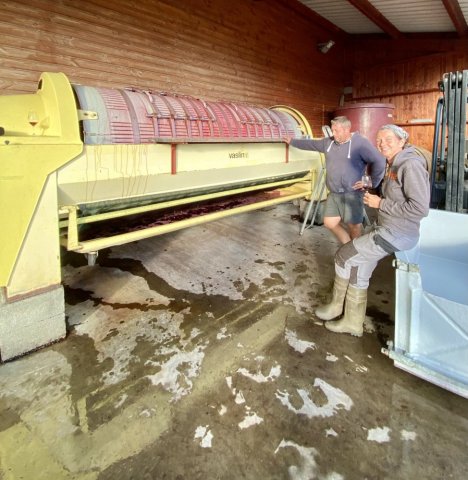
x=142 y=116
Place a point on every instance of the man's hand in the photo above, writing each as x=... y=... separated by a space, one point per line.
x=372 y=201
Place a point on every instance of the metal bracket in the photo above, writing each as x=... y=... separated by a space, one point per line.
x=87 y=115
x=388 y=351
x=406 y=267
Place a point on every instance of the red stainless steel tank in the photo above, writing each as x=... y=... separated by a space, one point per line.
x=367 y=118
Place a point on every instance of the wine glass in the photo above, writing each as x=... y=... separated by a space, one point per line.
x=366 y=182
x=33 y=119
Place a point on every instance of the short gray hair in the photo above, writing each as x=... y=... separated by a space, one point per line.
x=398 y=131
x=343 y=121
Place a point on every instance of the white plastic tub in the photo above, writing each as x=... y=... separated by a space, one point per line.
x=431 y=308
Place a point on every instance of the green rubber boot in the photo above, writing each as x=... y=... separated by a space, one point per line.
x=355 y=313
x=335 y=307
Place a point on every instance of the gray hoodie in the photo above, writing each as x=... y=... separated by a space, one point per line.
x=405 y=201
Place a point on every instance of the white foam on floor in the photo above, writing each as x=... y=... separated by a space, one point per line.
x=205 y=436
x=307 y=468
x=222 y=334
x=250 y=419
x=336 y=400
x=177 y=373
x=361 y=368
x=237 y=394
x=379 y=435
x=258 y=377
x=222 y=410
x=297 y=344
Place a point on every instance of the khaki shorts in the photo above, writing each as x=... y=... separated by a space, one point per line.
x=348 y=206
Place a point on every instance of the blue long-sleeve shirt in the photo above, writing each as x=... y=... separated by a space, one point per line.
x=346 y=162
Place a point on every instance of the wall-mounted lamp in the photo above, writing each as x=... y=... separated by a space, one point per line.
x=324 y=47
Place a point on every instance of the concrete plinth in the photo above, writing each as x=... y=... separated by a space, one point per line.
x=31 y=323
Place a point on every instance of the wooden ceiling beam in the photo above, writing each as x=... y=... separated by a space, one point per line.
x=365 y=7
x=457 y=17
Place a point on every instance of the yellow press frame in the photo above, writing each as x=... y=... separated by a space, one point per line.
x=32 y=159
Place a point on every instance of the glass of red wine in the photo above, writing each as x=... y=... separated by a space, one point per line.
x=33 y=119
x=366 y=182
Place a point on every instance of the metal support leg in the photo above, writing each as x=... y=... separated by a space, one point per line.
x=316 y=196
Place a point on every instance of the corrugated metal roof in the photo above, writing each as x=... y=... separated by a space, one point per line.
x=415 y=16
x=407 y=16
x=464 y=7
x=343 y=15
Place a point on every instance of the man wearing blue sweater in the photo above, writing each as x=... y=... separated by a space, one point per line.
x=347 y=156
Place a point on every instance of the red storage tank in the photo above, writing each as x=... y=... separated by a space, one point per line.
x=367 y=118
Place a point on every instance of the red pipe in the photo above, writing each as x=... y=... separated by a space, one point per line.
x=173 y=159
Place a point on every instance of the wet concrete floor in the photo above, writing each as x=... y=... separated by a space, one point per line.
x=196 y=355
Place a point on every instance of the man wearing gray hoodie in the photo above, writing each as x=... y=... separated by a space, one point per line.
x=404 y=203
x=347 y=156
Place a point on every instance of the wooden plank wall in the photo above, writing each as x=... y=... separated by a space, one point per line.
x=406 y=74
x=257 y=52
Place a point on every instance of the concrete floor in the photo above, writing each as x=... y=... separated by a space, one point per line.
x=196 y=356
